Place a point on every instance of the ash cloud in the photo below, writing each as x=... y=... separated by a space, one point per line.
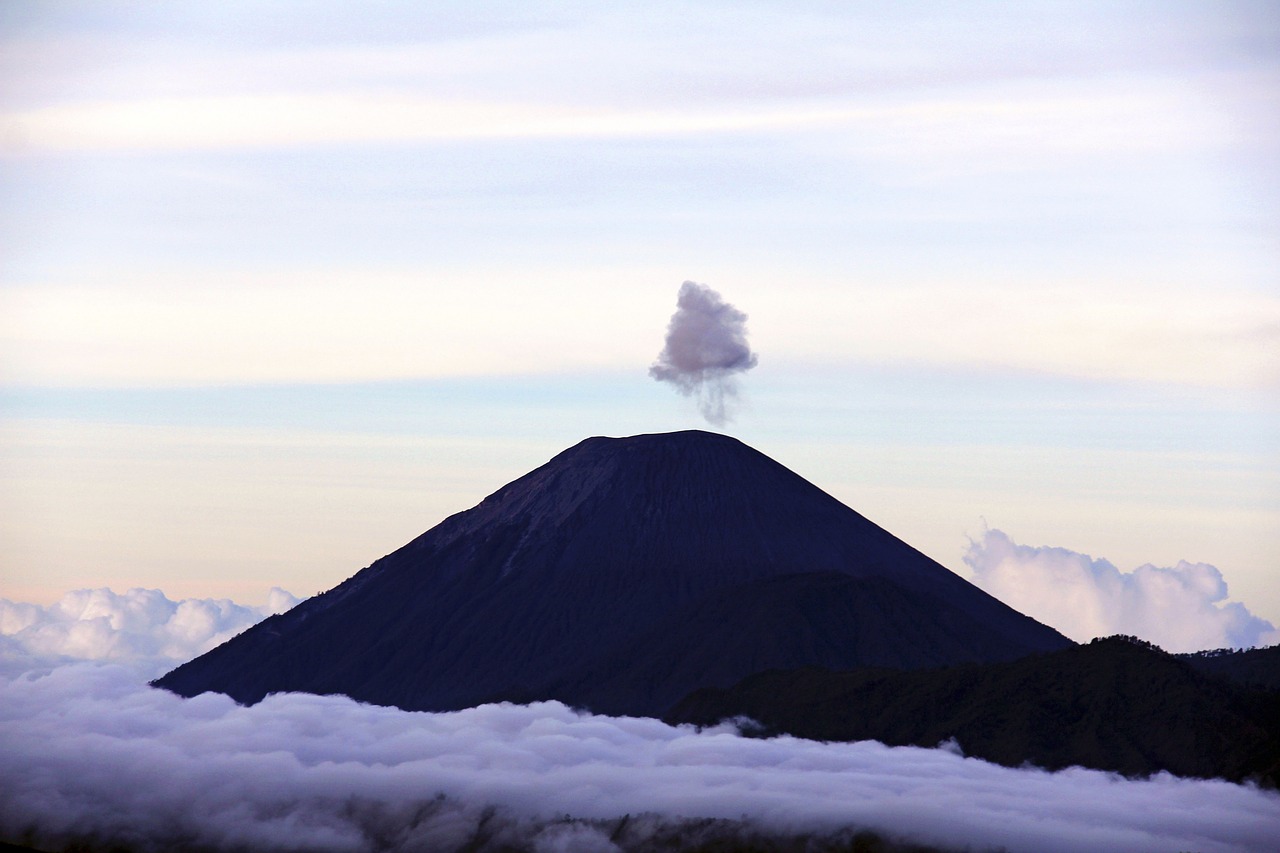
x=1182 y=608
x=706 y=347
x=90 y=755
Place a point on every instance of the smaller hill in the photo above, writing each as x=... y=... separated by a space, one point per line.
x=1115 y=704
x=1258 y=668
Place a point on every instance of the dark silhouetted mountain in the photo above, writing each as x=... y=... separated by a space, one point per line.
x=619 y=576
x=1114 y=704
x=1250 y=667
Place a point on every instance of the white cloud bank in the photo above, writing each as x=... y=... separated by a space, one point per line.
x=90 y=754
x=1181 y=609
x=141 y=626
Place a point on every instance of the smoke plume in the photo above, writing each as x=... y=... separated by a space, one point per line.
x=706 y=347
x=1180 y=609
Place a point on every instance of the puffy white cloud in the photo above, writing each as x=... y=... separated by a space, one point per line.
x=1181 y=609
x=92 y=754
x=141 y=625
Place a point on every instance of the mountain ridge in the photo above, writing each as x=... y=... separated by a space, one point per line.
x=1117 y=704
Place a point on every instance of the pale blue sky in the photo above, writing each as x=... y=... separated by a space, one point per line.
x=281 y=285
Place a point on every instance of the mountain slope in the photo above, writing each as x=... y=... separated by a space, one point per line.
x=1114 y=704
x=585 y=578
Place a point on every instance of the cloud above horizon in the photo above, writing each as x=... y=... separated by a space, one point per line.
x=1181 y=608
x=139 y=625
x=93 y=755
x=705 y=348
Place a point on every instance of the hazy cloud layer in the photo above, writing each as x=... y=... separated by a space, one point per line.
x=1181 y=609
x=706 y=347
x=141 y=625
x=89 y=753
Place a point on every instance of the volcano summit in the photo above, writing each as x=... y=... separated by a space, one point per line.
x=620 y=576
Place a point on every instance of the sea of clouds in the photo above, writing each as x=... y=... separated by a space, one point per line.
x=93 y=755
x=90 y=754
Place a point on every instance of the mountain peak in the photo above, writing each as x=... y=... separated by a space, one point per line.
x=601 y=577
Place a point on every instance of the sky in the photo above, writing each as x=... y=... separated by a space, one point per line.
x=284 y=285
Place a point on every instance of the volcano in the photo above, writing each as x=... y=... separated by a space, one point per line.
x=618 y=577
